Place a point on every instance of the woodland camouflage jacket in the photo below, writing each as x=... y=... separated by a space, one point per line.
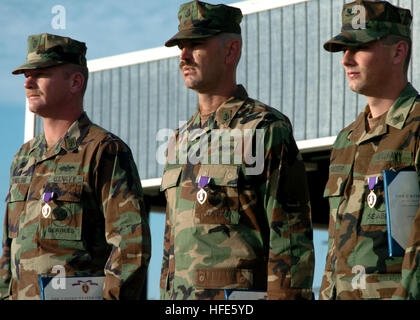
x=96 y=223
x=251 y=227
x=358 y=233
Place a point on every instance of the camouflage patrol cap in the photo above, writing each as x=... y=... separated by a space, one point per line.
x=203 y=20
x=365 y=21
x=48 y=50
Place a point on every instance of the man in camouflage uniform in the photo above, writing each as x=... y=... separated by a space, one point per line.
x=376 y=41
x=75 y=197
x=231 y=223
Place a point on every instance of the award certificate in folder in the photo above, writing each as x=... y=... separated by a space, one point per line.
x=72 y=288
x=402 y=194
x=232 y=294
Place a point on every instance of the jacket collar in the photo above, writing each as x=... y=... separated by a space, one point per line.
x=396 y=117
x=70 y=142
x=224 y=114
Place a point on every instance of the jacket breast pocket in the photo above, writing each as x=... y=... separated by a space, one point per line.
x=218 y=202
x=170 y=182
x=15 y=199
x=335 y=193
x=65 y=220
x=170 y=178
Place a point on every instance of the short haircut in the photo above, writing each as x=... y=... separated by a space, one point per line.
x=225 y=37
x=392 y=39
x=73 y=68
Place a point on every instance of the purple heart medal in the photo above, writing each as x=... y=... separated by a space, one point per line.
x=202 y=194
x=371 y=198
x=46 y=208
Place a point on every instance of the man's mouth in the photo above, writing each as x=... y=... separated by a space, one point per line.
x=32 y=94
x=352 y=74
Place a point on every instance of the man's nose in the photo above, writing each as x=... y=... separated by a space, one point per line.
x=185 y=53
x=348 y=58
x=29 y=82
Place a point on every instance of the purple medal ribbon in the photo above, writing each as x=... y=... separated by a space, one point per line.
x=48 y=196
x=79 y=282
x=203 y=181
x=372 y=181
x=371 y=198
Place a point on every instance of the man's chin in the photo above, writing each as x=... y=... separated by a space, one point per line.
x=35 y=109
x=191 y=84
x=357 y=88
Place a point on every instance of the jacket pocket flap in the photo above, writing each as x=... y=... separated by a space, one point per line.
x=221 y=175
x=17 y=192
x=70 y=192
x=335 y=186
x=170 y=178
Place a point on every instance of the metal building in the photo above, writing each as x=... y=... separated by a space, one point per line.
x=283 y=64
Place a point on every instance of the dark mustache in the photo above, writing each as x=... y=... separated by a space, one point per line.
x=33 y=91
x=187 y=63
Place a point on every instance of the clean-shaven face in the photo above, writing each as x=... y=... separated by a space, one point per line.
x=367 y=67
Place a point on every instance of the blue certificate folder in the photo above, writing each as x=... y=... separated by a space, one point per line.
x=401 y=189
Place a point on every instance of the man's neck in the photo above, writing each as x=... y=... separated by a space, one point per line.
x=55 y=128
x=380 y=105
x=209 y=102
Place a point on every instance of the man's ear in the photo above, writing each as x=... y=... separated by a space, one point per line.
x=400 y=52
x=76 y=82
x=233 y=49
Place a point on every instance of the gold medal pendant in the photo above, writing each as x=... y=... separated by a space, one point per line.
x=46 y=210
x=371 y=199
x=201 y=196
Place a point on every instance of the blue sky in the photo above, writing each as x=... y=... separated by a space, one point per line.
x=108 y=27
